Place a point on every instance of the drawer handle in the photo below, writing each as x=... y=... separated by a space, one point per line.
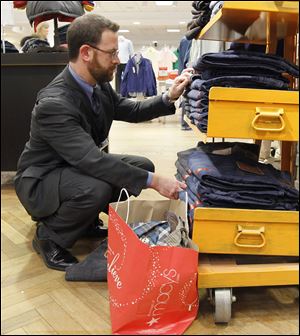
x=253 y=232
x=266 y=113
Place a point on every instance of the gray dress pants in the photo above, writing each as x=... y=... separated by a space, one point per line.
x=82 y=198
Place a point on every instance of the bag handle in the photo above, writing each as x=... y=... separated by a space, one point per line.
x=128 y=204
x=186 y=207
x=186 y=212
x=128 y=201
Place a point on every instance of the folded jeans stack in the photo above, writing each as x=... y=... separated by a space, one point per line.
x=227 y=175
x=244 y=69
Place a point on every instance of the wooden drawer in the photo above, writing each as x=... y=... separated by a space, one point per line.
x=253 y=114
x=242 y=231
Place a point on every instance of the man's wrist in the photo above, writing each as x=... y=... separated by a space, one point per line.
x=167 y=99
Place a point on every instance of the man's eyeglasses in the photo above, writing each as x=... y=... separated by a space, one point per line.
x=112 y=53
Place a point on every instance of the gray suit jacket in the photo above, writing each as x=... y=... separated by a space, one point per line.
x=65 y=132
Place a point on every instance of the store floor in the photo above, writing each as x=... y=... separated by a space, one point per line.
x=37 y=300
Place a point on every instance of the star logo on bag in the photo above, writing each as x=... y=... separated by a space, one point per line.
x=154 y=320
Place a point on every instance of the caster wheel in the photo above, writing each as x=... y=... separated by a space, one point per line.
x=222 y=299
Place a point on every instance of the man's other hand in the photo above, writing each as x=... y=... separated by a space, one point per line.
x=168 y=187
x=180 y=84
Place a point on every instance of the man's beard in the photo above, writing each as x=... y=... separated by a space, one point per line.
x=100 y=74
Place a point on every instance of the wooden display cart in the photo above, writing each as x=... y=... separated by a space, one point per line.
x=224 y=234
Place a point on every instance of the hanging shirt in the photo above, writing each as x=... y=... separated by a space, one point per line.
x=166 y=58
x=125 y=49
x=153 y=55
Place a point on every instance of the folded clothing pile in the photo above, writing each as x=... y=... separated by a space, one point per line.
x=233 y=68
x=202 y=12
x=227 y=175
x=170 y=232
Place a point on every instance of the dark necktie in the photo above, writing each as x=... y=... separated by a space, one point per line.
x=99 y=115
x=96 y=100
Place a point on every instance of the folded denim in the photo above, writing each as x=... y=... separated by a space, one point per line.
x=235 y=169
x=191 y=190
x=203 y=108
x=218 y=72
x=195 y=94
x=92 y=268
x=222 y=157
x=230 y=201
x=239 y=81
x=198 y=103
x=201 y=125
x=200 y=110
x=222 y=148
x=198 y=116
x=218 y=181
x=268 y=199
x=242 y=199
x=243 y=149
x=237 y=58
x=225 y=172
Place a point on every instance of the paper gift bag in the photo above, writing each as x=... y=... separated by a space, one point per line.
x=152 y=289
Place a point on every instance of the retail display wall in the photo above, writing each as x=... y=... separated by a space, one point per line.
x=22 y=76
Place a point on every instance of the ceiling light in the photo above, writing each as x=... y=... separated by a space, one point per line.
x=136 y=23
x=164 y=3
x=123 y=31
x=182 y=22
x=173 y=30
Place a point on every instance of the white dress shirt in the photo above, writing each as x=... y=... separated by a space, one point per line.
x=125 y=49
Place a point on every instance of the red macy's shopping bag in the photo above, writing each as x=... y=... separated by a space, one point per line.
x=152 y=289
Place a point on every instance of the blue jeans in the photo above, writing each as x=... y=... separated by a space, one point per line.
x=197 y=93
x=228 y=175
x=215 y=72
x=230 y=59
x=244 y=81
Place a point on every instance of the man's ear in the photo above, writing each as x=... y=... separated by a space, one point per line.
x=85 y=53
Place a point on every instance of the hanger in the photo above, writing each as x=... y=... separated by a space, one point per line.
x=137 y=57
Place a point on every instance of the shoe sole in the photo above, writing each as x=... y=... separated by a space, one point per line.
x=38 y=251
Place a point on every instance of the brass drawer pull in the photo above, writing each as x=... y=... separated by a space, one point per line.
x=268 y=113
x=254 y=232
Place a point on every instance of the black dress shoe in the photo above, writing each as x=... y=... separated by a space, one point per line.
x=96 y=230
x=54 y=256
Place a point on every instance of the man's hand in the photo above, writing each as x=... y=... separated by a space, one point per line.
x=180 y=83
x=168 y=187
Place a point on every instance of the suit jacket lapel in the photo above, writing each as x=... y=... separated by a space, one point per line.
x=68 y=78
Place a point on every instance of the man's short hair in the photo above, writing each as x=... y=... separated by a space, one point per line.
x=87 y=29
